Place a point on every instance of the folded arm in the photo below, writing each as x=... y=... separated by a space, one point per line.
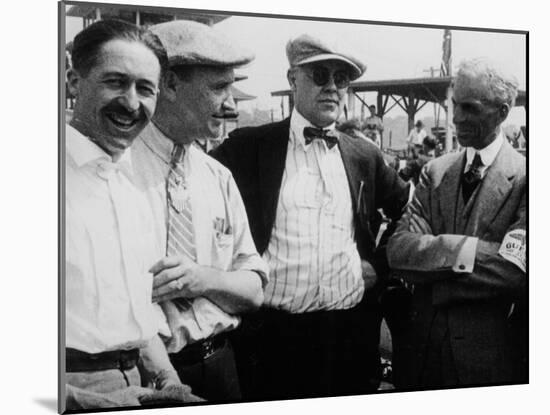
x=414 y=248
x=235 y=290
x=460 y=267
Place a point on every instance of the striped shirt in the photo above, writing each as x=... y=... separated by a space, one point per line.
x=221 y=231
x=312 y=255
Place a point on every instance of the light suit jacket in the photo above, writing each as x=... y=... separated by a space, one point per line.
x=485 y=310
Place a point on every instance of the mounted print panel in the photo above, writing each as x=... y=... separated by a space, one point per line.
x=259 y=208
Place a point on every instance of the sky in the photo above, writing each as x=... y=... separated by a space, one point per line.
x=389 y=52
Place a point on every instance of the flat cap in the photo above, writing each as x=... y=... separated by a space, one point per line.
x=192 y=43
x=306 y=49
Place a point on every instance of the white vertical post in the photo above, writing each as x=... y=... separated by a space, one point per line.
x=448 y=120
x=351 y=104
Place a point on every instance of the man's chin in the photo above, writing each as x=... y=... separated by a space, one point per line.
x=213 y=133
x=325 y=119
x=466 y=138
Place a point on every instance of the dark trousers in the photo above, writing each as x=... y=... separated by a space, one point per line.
x=326 y=353
x=214 y=378
x=439 y=368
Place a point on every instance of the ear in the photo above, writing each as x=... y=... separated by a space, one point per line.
x=169 y=85
x=503 y=111
x=73 y=81
x=291 y=76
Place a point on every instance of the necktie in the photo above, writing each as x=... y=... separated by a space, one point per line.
x=312 y=133
x=471 y=178
x=180 y=239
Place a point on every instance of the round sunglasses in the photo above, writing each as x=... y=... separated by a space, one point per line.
x=320 y=76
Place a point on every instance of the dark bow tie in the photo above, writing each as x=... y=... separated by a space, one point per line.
x=311 y=133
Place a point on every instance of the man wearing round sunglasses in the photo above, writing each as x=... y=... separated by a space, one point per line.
x=311 y=194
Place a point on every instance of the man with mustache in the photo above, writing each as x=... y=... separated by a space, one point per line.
x=111 y=322
x=462 y=243
x=312 y=195
x=208 y=271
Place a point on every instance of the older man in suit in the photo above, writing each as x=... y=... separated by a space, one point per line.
x=311 y=194
x=462 y=244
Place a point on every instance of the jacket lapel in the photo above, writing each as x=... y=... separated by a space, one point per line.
x=449 y=190
x=492 y=192
x=352 y=167
x=271 y=161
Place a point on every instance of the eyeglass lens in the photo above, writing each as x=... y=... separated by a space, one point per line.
x=321 y=76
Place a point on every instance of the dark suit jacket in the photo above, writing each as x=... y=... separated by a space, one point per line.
x=487 y=340
x=256 y=156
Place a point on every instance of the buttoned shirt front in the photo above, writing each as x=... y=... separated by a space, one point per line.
x=109 y=249
x=222 y=235
x=466 y=257
x=313 y=259
x=487 y=154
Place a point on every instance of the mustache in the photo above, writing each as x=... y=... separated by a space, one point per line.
x=227 y=115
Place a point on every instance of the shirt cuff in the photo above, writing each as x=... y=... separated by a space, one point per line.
x=253 y=263
x=466 y=256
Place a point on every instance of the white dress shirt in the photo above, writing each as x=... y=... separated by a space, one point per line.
x=313 y=259
x=222 y=235
x=416 y=137
x=108 y=252
x=487 y=154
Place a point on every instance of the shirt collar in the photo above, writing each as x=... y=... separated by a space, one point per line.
x=487 y=154
x=297 y=125
x=160 y=144
x=84 y=151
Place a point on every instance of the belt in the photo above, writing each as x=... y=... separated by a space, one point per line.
x=199 y=351
x=78 y=361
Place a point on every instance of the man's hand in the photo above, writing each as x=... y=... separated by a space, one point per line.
x=177 y=276
x=169 y=389
x=171 y=394
x=369 y=274
x=166 y=378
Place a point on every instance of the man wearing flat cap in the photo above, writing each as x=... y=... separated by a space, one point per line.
x=311 y=194
x=208 y=271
